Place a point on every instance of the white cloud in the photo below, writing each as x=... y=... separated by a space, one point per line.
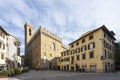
x=59 y=18
x=67 y=18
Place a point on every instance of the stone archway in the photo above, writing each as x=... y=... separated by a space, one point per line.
x=77 y=67
x=67 y=67
x=50 y=65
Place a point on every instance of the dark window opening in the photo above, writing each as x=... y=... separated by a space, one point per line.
x=77 y=43
x=78 y=57
x=83 y=40
x=30 y=32
x=90 y=37
x=91 y=54
x=83 y=56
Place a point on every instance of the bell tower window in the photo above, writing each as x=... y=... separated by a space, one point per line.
x=30 y=32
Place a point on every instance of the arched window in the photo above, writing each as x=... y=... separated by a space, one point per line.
x=53 y=46
x=30 y=32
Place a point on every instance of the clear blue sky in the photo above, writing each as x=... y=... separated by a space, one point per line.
x=66 y=18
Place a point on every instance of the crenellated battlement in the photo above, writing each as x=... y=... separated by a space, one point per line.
x=44 y=31
x=49 y=33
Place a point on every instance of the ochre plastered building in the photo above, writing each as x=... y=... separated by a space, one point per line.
x=92 y=52
x=42 y=48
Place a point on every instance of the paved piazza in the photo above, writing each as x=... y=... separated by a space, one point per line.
x=62 y=75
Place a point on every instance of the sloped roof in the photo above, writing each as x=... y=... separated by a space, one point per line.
x=111 y=33
x=4 y=30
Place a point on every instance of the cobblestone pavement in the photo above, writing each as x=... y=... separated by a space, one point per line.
x=62 y=75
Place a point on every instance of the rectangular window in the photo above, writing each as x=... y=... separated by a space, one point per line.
x=91 y=45
x=62 y=54
x=83 y=40
x=72 y=59
x=90 y=37
x=78 y=50
x=2 y=56
x=61 y=60
x=105 y=44
x=83 y=56
x=75 y=51
x=72 y=46
x=67 y=59
x=105 y=35
x=83 y=48
x=78 y=57
x=91 y=54
x=77 y=43
x=30 y=32
x=105 y=53
x=72 y=51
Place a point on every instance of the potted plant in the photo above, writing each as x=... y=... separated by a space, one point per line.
x=3 y=74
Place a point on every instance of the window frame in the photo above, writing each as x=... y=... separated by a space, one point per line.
x=83 y=48
x=77 y=57
x=92 y=54
x=2 y=56
x=77 y=43
x=30 y=32
x=91 y=37
x=91 y=45
x=83 y=40
x=84 y=56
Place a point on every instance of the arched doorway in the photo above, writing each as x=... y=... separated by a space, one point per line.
x=18 y=64
x=77 y=67
x=50 y=66
x=67 y=67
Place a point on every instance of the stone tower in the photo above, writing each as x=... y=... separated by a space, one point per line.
x=28 y=35
x=28 y=32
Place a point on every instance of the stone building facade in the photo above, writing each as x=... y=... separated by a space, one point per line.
x=42 y=48
x=13 y=51
x=9 y=50
x=92 y=52
x=3 y=49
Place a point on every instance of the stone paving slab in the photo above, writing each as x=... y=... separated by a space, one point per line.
x=62 y=75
